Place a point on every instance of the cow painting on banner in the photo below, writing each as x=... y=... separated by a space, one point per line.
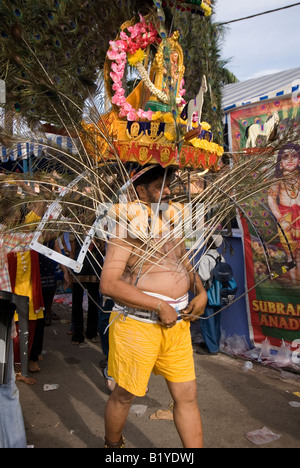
x=270 y=219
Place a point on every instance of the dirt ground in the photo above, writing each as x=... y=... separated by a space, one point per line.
x=232 y=402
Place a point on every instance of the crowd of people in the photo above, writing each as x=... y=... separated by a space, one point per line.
x=27 y=273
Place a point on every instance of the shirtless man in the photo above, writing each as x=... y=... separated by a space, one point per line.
x=157 y=338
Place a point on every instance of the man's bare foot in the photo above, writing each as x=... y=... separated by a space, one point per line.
x=33 y=366
x=27 y=380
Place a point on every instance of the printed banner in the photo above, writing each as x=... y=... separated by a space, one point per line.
x=270 y=221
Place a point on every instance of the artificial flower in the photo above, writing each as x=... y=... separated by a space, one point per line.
x=131 y=116
x=139 y=56
x=112 y=54
x=208 y=146
x=117 y=85
x=169 y=136
x=123 y=36
x=168 y=118
x=118 y=100
x=205 y=126
x=127 y=107
x=207 y=9
x=118 y=67
x=116 y=76
x=149 y=114
x=138 y=38
x=156 y=115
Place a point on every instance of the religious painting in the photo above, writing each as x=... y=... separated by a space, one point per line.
x=270 y=218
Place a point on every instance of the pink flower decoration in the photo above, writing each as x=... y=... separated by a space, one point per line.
x=123 y=36
x=127 y=107
x=121 y=45
x=120 y=91
x=145 y=115
x=141 y=113
x=149 y=114
x=112 y=54
x=117 y=85
x=122 y=113
x=116 y=76
x=118 y=100
x=131 y=116
x=141 y=35
x=117 y=67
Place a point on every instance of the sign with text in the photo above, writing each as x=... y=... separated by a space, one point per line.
x=270 y=221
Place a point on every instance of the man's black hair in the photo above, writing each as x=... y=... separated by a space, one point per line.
x=153 y=174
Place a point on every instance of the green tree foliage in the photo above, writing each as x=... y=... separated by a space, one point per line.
x=52 y=52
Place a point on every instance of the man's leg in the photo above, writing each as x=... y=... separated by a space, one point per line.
x=187 y=417
x=12 y=430
x=116 y=413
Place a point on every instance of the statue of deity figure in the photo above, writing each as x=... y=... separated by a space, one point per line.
x=166 y=73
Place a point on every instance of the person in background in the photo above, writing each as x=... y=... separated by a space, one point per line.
x=12 y=430
x=25 y=278
x=89 y=279
x=211 y=327
x=48 y=283
x=48 y=275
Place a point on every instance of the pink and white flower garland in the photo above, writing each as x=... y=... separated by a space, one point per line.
x=141 y=35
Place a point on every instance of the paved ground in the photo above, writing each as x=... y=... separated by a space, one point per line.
x=232 y=402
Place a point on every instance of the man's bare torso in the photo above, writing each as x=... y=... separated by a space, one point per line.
x=159 y=268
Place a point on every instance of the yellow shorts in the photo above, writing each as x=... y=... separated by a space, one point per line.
x=137 y=348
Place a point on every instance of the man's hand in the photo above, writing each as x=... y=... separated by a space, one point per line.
x=167 y=315
x=196 y=307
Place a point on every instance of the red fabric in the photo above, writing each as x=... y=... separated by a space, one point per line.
x=37 y=293
x=295 y=212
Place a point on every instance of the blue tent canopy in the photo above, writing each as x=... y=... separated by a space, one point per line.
x=264 y=88
x=38 y=147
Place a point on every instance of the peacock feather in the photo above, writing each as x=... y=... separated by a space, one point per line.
x=55 y=48
x=52 y=58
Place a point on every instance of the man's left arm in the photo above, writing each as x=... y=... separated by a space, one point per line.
x=196 y=307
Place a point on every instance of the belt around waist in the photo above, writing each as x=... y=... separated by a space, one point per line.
x=144 y=315
x=150 y=316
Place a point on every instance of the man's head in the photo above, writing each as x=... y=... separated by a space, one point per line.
x=150 y=185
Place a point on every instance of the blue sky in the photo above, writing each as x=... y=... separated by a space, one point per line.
x=262 y=45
